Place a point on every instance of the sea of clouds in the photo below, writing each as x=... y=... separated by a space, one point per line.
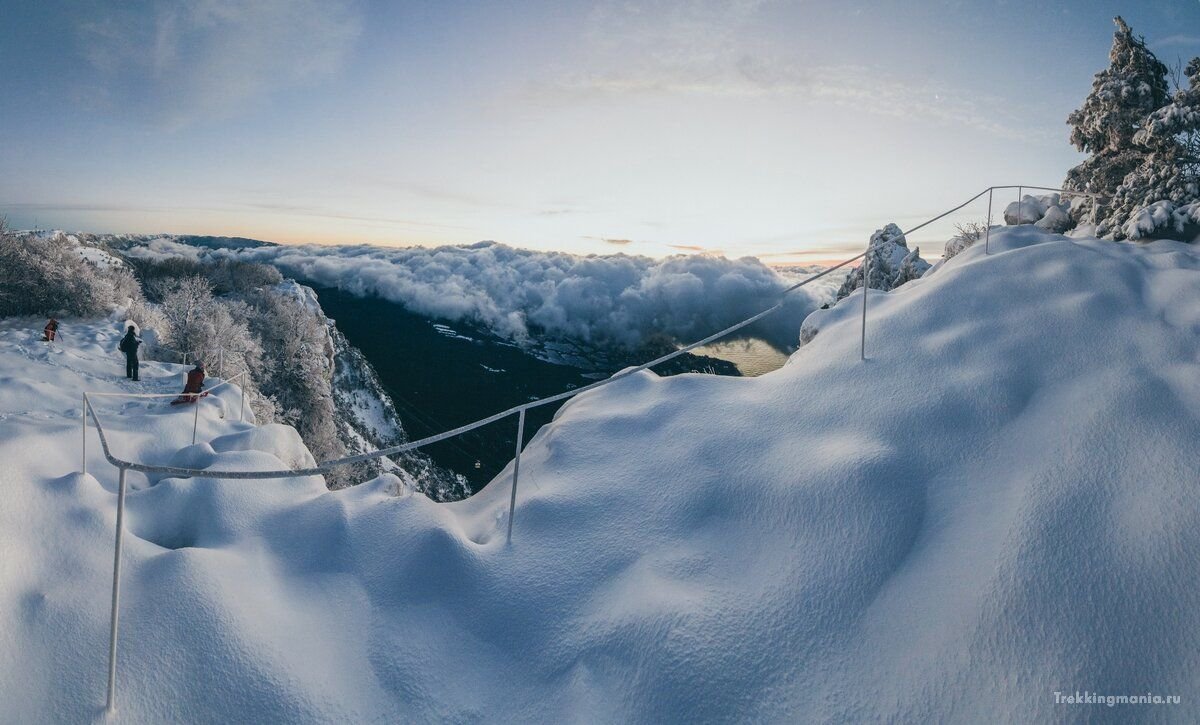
x=522 y=294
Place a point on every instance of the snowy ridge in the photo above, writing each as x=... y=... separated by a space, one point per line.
x=944 y=530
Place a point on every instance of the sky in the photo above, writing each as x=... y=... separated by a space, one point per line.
x=782 y=130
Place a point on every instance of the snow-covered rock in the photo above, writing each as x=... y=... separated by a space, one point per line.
x=997 y=505
x=1051 y=212
x=891 y=263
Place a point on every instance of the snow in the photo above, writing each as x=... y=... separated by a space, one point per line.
x=997 y=505
x=98 y=256
x=1161 y=218
x=1048 y=211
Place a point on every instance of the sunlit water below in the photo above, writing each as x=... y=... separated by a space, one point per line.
x=752 y=356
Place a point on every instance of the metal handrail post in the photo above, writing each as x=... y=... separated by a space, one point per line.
x=987 y=234
x=116 y=596
x=83 y=447
x=195 y=419
x=512 y=501
x=862 y=353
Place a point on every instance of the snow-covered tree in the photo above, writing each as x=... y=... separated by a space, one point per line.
x=45 y=275
x=296 y=370
x=1133 y=86
x=1168 y=176
x=185 y=304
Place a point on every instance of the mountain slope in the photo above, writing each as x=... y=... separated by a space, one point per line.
x=997 y=505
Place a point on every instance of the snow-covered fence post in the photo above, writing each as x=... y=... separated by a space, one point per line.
x=116 y=596
x=221 y=363
x=512 y=502
x=196 y=418
x=185 y=358
x=866 y=266
x=83 y=456
x=1020 y=193
x=987 y=234
x=1095 y=203
x=242 y=409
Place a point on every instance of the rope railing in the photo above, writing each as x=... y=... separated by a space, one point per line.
x=87 y=406
x=195 y=354
x=519 y=410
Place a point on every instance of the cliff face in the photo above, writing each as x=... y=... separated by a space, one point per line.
x=367 y=420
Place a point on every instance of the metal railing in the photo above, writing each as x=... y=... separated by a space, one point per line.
x=124 y=466
x=195 y=355
x=196 y=397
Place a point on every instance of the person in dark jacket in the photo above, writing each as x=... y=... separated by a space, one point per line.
x=193 y=389
x=129 y=346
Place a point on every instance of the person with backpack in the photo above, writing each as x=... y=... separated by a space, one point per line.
x=129 y=346
x=50 y=330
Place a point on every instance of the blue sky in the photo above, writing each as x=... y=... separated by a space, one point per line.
x=784 y=130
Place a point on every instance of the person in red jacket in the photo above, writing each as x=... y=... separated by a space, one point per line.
x=193 y=389
x=50 y=331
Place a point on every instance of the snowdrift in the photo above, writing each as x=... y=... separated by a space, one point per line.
x=999 y=504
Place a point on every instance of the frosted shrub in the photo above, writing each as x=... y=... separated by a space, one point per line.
x=968 y=234
x=43 y=275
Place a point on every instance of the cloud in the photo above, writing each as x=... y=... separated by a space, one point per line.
x=608 y=240
x=522 y=294
x=1176 y=40
x=708 y=48
x=868 y=90
x=178 y=62
x=164 y=248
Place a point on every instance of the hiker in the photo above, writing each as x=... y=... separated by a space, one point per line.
x=50 y=330
x=193 y=389
x=129 y=346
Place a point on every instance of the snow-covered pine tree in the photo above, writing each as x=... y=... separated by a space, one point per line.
x=1169 y=174
x=1133 y=86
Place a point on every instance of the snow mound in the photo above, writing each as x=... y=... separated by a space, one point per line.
x=997 y=505
x=1051 y=212
x=281 y=441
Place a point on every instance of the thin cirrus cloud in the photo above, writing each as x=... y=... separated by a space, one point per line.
x=704 y=47
x=179 y=62
x=1172 y=40
x=858 y=87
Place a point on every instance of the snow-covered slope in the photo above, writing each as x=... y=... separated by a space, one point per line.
x=999 y=504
